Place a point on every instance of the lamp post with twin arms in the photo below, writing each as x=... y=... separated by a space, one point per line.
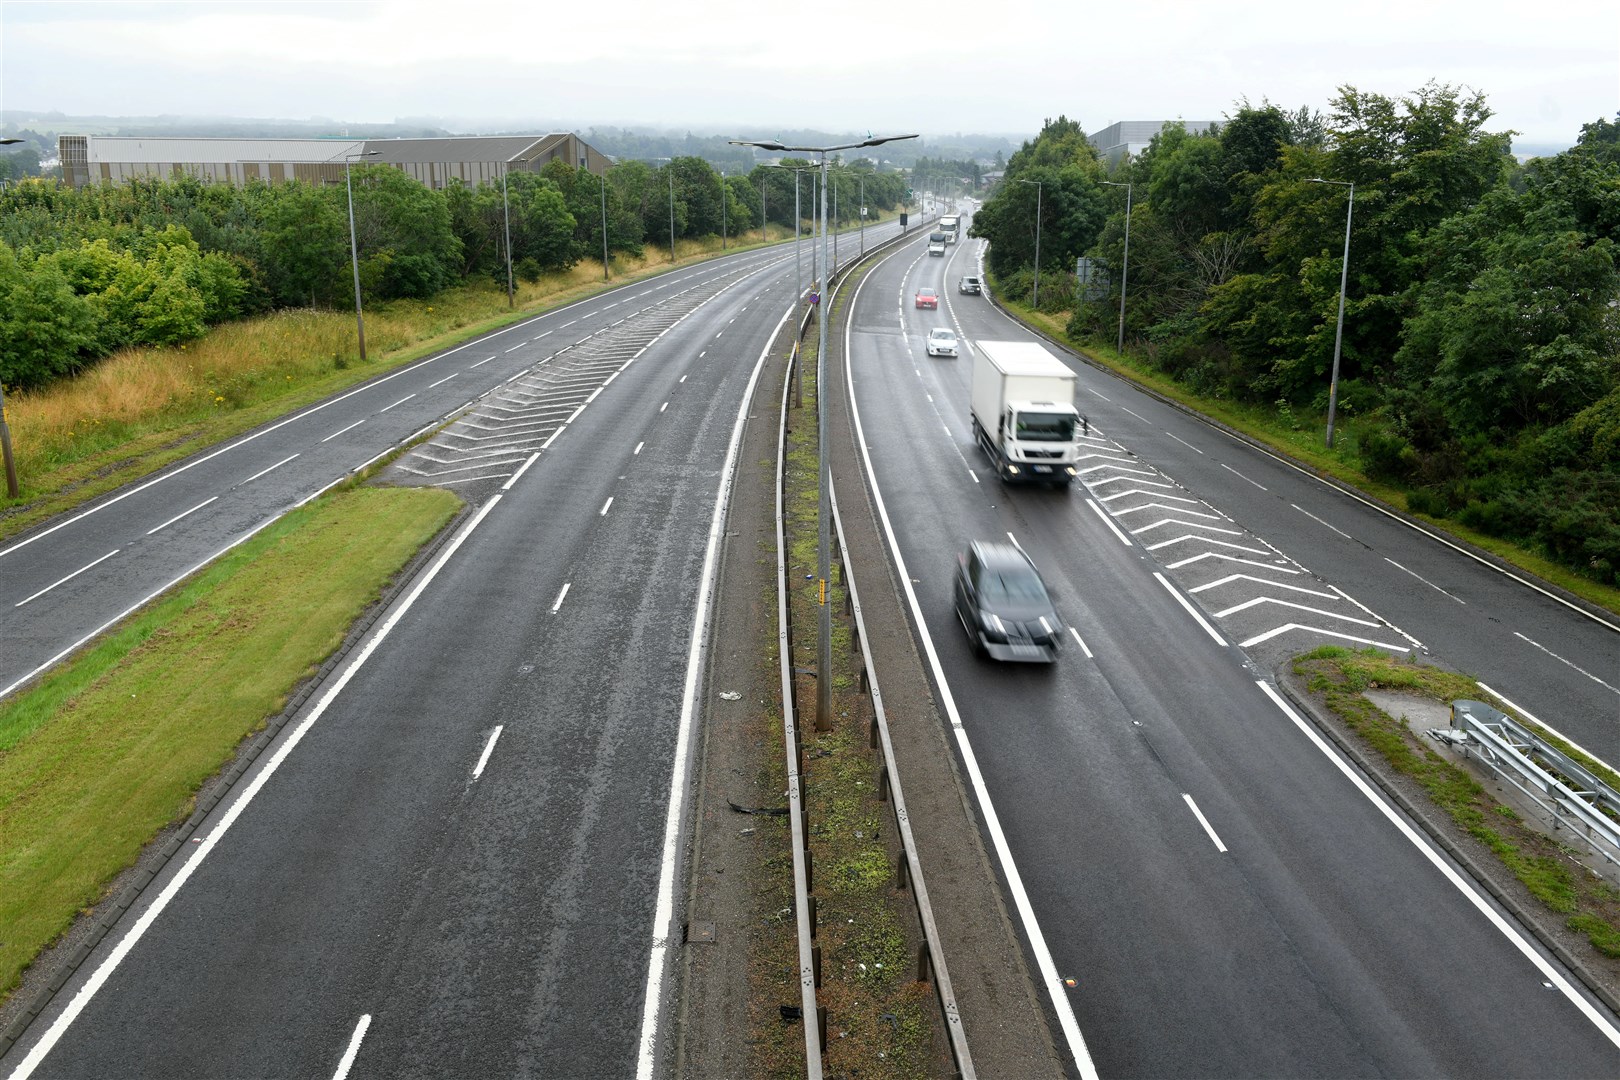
x=824 y=514
x=354 y=248
x=1344 y=276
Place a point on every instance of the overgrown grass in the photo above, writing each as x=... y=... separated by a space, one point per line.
x=1340 y=676
x=112 y=746
x=1301 y=437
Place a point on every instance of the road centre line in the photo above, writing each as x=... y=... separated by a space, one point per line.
x=1139 y=416
x=340 y=431
x=401 y=401
x=63 y=581
x=272 y=468
x=1561 y=660
x=637 y=450
x=1319 y=521
x=664 y=406
x=1089 y=390
x=239 y=805
x=480 y=363
x=353 y=1050
x=558 y=603
x=1548 y=972
x=1423 y=579
x=605 y=506
x=444 y=380
x=489 y=748
x=1185 y=603
x=1202 y=820
x=1240 y=476
x=1080 y=642
x=1184 y=442
x=1109 y=521
x=183 y=513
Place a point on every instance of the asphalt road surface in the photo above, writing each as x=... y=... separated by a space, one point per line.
x=1205 y=889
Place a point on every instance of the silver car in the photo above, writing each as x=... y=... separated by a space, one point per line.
x=941 y=342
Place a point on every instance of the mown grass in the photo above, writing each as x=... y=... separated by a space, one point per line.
x=112 y=747
x=1341 y=676
x=1300 y=435
x=141 y=409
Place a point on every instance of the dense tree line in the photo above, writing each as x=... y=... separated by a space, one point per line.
x=156 y=262
x=1480 y=363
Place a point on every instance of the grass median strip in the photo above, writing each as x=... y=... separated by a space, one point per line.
x=112 y=747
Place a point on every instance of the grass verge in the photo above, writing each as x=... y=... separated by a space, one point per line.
x=879 y=1018
x=1588 y=903
x=112 y=747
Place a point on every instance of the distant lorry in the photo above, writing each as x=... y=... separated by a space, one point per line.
x=951 y=226
x=1023 y=412
x=936 y=243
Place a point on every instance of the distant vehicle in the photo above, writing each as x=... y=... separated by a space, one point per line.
x=936 y=243
x=941 y=341
x=950 y=225
x=1003 y=604
x=970 y=285
x=927 y=298
x=1023 y=412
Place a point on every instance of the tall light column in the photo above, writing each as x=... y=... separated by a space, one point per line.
x=12 y=490
x=722 y=209
x=824 y=678
x=671 y=209
x=603 y=178
x=862 y=181
x=1038 y=188
x=506 y=217
x=1125 y=269
x=354 y=248
x=1344 y=278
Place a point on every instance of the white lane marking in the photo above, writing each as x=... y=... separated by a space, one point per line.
x=683 y=378
x=1240 y=476
x=1228 y=579
x=183 y=513
x=1202 y=820
x=605 y=507
x=1542 y=723
x=637 y=450
x=523 y=468
x=1080 y=642
x=1230 y=558
x=354 y=1048
x=663 y=927
x=1139 y=416
x=401 y=401
x=1108 y=521
x=664 y=406
x=1089 y=390
x=340 y=431
x=63 y=581
x=489 y=748
x=1258 y=600
x=1319 y=521
x=1561 y=660
x=702 y=354
x=444 y=380
x=1507 y=930
x=272 y=468
x=1185 y=603
x=480 y=363
x=1423 y=579
x=127 y=944
x=1016 y=544
x=558 y=603
x=548 y=333
x=520 y=344
x=1056 y=993
x=1183 y=442
x=1374 y=615
x=566 y=325
x=1277 y=631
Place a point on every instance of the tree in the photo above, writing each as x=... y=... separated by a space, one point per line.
x=46 y=330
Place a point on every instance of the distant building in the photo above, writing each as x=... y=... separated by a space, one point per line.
x=1132 y=136
x=116 y=159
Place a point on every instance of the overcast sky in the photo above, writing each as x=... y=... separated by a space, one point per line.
x=991 y=66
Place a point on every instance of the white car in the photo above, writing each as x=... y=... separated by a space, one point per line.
x=941 y=342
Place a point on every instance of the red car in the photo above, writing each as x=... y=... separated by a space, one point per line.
x=928 y=298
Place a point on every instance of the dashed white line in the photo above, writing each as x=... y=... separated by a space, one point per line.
x=559 y=602
x=664 y=406
x=444 y=380
x=489 y=748
x=1423 y=579
x=1319 y=521
x=1139 y=416
x=637 y=450
x=401 y=401
x=354 y=1048
x=1202 y=820
x=70 y=577
x=1184 y=442
x=1240 y=476
x=481 y=363
x=1078 y=640
x=340 y=431
x=182 y=514
x=272 y=468
x=605 y=506
x=520 y=344
x=1089 y=390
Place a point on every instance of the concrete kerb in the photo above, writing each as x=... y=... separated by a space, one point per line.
x=133 y=883
x=1434 y=822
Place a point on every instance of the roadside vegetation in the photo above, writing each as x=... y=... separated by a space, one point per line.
x=111 y=747
x=1587 y=903
x=1480 y=367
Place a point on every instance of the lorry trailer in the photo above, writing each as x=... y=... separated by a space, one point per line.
x=1024 y=415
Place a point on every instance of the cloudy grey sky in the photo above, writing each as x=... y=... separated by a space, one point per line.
x=993 y=66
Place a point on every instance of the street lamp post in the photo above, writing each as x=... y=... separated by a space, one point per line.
x=672 y=210
x=506 y=217
x=722 y=209
x=354 y=248
x=1038 y=189
x=1125 y=269
x=1344 y=277
x=12 y=489
x=762 y=189
x=603 y=179
x=862 y=181
x=824 y=514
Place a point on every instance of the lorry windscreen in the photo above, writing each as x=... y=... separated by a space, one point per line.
x=1044 y=427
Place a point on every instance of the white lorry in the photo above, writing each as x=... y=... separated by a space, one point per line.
x=951 y=226
x=1023 y=412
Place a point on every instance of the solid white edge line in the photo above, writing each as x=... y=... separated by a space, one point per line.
x=489 y=748
x=70 y=577
x=1109 y=521
x=181 y=514
x=1185 y=603
x=1462 y=885
x=127 y=943
x=1204 y=821
x=1061 y=1005
x=558 y=603
x=663 y=927
x=525 y=467
x=1522 y=711
x=354 y=1048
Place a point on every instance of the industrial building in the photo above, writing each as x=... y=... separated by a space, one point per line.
x=1132 y=136
x=116 y=159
